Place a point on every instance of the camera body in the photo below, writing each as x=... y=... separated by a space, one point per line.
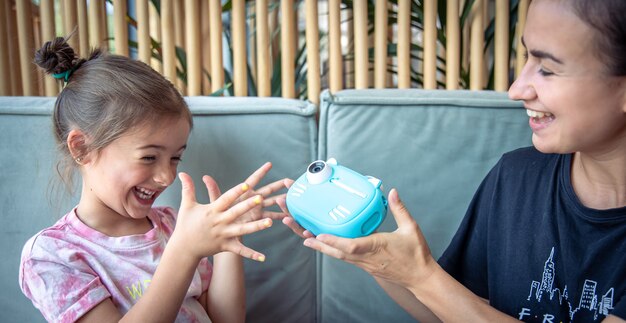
x=330 y=198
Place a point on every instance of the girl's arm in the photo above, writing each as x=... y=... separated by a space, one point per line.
x=201 y=230
x=226 y=301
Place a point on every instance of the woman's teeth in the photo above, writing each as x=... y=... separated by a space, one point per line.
x=144 y=194
x=537 y=114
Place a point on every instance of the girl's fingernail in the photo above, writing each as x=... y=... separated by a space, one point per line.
x=267 y=223
x=257 y=199
x=260 y=258
x=244 y=187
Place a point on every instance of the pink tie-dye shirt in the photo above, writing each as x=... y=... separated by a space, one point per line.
x=69 y=268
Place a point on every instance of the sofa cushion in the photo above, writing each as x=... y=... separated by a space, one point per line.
x=231 y=138
x=434 y=147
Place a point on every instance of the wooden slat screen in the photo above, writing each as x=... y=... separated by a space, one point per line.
x=358 y=44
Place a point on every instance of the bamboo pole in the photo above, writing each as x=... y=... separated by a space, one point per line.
x=360 y=44
x=215 y=19
x=313 y=52
x=381 y=31
x=46 y=9
x=27 y=47
x=14 y=50
x=521 y=22
x=144 y=45
x=104 y=28
x=155 y=33
x=477 y=41
x=453 y=44
x=70 y=23
x=430 y=44
x=192 y=42
x=96 y=34
x=238 y=32
x=178 y=25
x=5 y=78
x=252 y=60
x=167 y=40
x=263 y=49
x=83 y=28
x=120 y=29
x=404 y=44
x=288 y=52
x=206 y=47
x=501 y=59
x=348 y=47
x=335 y=75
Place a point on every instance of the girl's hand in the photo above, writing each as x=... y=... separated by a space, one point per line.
x=265 y=191
x=206 y=229
x=401 y=257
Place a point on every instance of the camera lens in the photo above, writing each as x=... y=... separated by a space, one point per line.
x=318 y=172
x=316 y=167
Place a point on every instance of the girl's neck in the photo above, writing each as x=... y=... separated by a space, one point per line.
x=600 y=181
x=111 y=224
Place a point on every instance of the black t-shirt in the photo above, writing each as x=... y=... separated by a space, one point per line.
x=529 y=246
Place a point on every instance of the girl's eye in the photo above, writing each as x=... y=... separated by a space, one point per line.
x=177 y=159
x=148 y=158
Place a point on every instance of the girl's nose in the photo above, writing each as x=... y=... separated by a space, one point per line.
x=165 y=175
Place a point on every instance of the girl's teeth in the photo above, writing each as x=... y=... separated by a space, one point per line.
x=144 y=193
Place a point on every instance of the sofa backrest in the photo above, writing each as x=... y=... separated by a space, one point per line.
x=231 y=138
x=435 y=147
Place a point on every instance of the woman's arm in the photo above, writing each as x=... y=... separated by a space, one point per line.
x=403 y=258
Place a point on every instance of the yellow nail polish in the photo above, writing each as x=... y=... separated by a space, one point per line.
x=260 y=258
x=244 y=187
x=267 y=223
x=257 y=199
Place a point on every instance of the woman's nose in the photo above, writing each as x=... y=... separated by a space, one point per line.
x=522 y=88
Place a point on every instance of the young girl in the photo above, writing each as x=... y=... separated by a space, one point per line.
x=544 y=239
x=115 y=256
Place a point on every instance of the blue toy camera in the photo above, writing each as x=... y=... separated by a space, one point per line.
x=330 y=198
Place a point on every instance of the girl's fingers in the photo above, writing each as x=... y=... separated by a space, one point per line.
x=256 y=177
x=212 y=187
x=242 y=207
x=229 y=197
x=242 y=229
x=271 y=188
x=188 y=192
x=246 y=252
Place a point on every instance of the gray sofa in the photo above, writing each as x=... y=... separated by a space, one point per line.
x=433 y=146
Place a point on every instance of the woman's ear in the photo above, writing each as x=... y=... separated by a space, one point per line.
x=77 y=145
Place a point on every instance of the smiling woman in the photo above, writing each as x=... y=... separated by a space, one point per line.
x=544 y=236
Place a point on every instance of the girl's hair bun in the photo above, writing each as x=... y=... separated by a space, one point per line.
x=56 y=56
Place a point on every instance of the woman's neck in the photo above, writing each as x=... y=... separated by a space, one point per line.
x=600 y=181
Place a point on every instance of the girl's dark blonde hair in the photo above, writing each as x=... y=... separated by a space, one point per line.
x=105 y=96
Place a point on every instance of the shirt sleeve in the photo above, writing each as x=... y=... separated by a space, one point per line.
x=60 y=291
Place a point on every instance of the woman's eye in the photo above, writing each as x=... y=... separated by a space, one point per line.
x=177 y=159
x=148 y=158
x=544 y=72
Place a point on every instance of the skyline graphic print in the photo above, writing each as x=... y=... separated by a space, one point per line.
x=591 y=299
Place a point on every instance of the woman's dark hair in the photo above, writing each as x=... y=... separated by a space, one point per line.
x=608 y=18
x=105 y=96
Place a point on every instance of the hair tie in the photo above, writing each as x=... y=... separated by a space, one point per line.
x=64 y=75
